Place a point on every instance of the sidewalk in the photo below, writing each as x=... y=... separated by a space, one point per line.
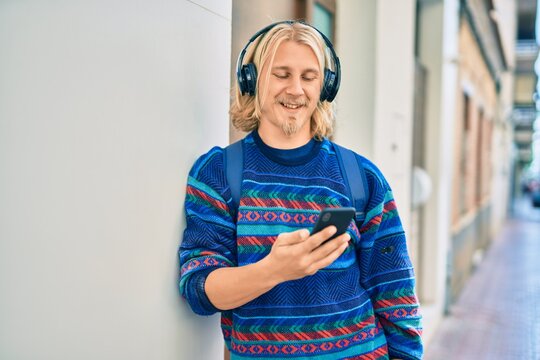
x=497 y=316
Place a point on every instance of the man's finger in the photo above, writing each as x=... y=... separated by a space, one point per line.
x=294 y=237
x=327 y=248
x=330 y=258
x=317 y=239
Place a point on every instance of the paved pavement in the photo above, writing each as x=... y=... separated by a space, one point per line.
x=497 y=316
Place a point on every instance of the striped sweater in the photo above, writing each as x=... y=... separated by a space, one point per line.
x=362 y=306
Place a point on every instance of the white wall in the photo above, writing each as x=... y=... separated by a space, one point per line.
x=375 y=42
x=394 y=92
x=355 y=102
x=104 y=105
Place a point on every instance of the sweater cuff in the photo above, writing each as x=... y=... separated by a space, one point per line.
x=196 y=294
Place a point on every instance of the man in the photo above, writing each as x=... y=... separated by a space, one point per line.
x=282 y=292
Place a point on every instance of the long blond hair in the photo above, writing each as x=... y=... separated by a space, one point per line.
x=246 y=110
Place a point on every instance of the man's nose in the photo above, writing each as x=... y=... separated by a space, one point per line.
x=295 y=86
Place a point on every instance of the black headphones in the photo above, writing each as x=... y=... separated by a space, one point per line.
x=247 y=74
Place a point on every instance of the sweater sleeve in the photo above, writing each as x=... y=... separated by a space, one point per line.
x=387 y=272
x=209 y=237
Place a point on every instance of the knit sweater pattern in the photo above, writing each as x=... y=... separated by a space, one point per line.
x=362 y=306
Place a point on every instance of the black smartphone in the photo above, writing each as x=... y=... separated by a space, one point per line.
x=339 y=217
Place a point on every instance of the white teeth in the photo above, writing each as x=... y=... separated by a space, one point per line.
x=291 y=106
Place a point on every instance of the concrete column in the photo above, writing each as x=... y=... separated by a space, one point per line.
x=394 y=91
x=438 y=48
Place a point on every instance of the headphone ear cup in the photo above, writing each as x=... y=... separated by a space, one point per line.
x=329 y=89
x=248 y=83
x=241 y=78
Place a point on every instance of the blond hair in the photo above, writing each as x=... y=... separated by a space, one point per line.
x=246 y=110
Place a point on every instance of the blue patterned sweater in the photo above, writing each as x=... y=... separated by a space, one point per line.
x=363 y=306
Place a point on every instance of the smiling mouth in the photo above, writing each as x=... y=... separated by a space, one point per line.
x=291 y=106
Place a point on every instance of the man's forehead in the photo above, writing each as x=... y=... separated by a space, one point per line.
x=293 y=54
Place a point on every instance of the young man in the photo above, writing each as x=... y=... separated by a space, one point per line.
x=282 y=292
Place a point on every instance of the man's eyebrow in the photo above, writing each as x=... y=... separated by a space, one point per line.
x=286 y=68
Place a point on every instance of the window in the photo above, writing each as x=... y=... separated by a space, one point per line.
x=480 y=166
x=463 y=156
x=488 y=167
x=321 y=14
x=323 y=20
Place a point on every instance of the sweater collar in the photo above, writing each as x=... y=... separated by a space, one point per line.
x=290 y=157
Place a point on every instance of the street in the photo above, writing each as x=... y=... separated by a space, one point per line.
x=497 y=314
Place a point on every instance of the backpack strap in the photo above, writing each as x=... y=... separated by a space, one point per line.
x=233 y=161
x=355 y=180
x=352 y=171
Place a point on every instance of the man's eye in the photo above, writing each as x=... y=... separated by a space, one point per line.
x=281 y=76
x=309 y=78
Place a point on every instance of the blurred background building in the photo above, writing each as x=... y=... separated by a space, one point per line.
x=104 y=106
x=526 y=171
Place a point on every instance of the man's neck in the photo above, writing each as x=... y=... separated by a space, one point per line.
x=277 y=139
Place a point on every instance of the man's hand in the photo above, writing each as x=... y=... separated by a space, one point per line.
x=293 y=256
x=296 y=254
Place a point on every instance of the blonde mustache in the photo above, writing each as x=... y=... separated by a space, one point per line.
x=299 y=102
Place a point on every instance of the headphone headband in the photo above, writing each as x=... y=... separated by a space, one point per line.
x=247 y=74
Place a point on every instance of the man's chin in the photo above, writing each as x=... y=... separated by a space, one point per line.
x=291 y=127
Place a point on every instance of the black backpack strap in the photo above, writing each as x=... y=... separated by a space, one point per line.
x=233 y=161
x=355 y=180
